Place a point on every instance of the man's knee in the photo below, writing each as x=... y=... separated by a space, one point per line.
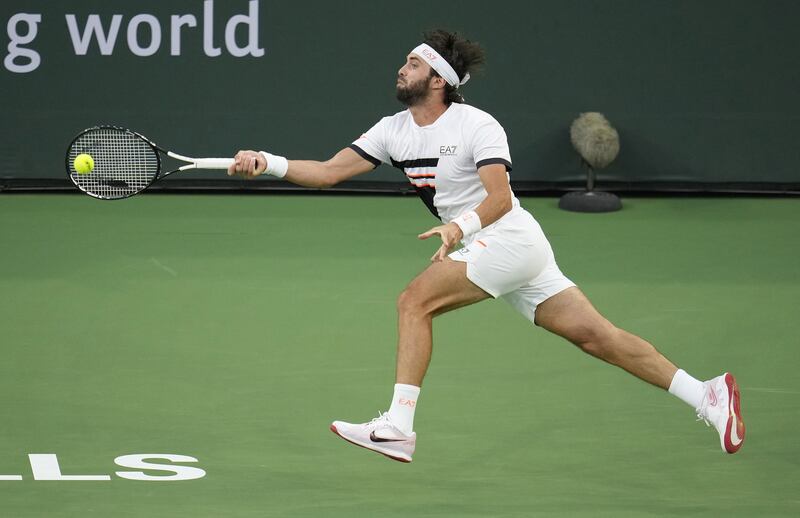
x=411 y=301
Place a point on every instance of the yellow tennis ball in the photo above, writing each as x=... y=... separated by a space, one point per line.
x=83 y=163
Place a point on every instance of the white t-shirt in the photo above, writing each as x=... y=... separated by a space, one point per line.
x=440 y=160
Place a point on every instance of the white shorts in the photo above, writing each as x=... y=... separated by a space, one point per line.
x=512 y=259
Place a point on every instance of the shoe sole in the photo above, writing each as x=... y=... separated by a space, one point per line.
x=398 y=459
x=734 y=428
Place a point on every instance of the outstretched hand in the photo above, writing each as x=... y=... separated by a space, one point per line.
x=247 y=164
x=450 y=234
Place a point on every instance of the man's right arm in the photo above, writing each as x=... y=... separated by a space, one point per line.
x=307 y=173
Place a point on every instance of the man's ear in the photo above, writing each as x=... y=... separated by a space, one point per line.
x=438 y=82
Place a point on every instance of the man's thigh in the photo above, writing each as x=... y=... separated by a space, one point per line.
x=570 y=314
x=444 y=286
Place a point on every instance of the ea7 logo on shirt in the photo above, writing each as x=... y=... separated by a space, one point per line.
x=447 y=150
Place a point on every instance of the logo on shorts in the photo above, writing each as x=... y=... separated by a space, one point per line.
x=447 y=150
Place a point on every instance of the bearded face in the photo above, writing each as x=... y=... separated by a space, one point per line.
x=413 y=93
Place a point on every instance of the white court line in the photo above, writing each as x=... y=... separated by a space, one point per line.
x=164 y=267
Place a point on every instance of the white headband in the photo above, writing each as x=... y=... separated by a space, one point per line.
x=438 y=63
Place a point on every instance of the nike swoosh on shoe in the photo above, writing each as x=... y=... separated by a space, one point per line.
x=712 y=396
x=375 y=438
x=400 y=457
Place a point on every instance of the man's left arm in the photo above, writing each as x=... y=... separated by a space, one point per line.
x=498 y=194
x=496 y=204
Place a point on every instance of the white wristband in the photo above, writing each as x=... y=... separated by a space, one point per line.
x=469 y=223
x=276 y=165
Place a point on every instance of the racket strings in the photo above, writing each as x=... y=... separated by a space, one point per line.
x=124 y=163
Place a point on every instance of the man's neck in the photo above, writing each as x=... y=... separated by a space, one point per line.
x=427 y=112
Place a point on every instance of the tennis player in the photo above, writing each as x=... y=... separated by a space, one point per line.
x=457 y=157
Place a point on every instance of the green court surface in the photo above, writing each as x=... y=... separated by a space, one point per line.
x=234 y=329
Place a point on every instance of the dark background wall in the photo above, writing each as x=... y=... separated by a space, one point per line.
x=700 y=92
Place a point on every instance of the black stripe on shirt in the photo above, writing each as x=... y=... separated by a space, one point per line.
x=366 y=156
x=418 y=162
x=490 y=161
x=426 y=194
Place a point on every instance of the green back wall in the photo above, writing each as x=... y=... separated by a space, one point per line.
x=703 y=92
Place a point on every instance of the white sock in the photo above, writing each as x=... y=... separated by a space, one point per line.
x=687 y=389
x=404 y=402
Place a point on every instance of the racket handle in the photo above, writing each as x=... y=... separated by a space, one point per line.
x=213 y=163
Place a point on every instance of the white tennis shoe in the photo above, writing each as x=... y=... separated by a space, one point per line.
x=378 y=435
x=720 y=408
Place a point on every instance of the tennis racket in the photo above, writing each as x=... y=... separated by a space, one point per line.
x=125 y=162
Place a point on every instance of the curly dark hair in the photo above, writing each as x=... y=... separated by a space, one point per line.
x=463 y=55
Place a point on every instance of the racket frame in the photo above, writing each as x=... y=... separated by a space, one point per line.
x=192 y=163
